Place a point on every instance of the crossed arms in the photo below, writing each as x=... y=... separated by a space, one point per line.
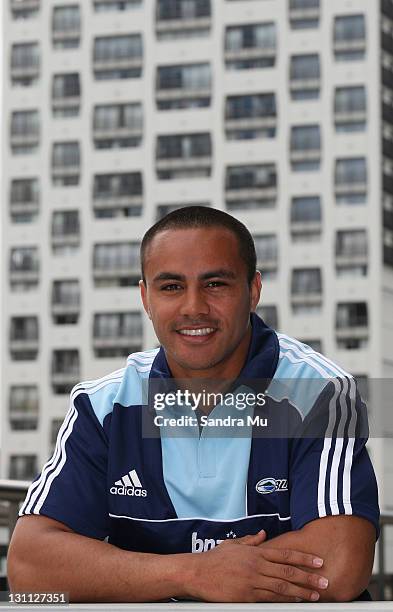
x=46 y=555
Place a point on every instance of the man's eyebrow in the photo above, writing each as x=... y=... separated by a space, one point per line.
x=169 y=276
x=220 y=273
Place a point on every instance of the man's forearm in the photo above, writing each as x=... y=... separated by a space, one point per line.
x=345 y=543
x=95 y=571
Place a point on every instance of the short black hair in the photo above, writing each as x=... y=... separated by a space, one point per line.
x=205 y=216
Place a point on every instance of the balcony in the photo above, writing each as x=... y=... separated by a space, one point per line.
x=23 y=342
x=250 y=116
x=117 y=334
x=65 y=302
x=66 y=27
x=349 y=37
x=305 y=77
x=65 y=370
x=182 y=19
x=25 y=64
x=23 y=9
x=306 y=287
x=183 y=156
x=117 y=126
x=23 y=407
x=251 y=187
x=118 y=57
x=183 y=86
x=25 y=132
x=352 y=324
x=306 y=217
x=66 y=95
x=65 y=163
x=24 y=200
x=24 y=268
x=118 y=195
x=304 y=11
x=250 y=46
x=116 y=265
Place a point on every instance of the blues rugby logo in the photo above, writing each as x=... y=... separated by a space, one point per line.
x=271 y=485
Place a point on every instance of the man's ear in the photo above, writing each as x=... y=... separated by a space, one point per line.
x=145 y=302
x=255 y=290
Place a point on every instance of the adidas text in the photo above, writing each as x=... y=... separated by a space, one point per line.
x=131 y=491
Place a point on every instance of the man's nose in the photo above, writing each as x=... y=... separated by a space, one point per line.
x=194 y=303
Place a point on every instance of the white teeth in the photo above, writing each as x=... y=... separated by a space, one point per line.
x=196 y=332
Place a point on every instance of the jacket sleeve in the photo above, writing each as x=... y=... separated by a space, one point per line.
x=72 y=485
x=330 y=469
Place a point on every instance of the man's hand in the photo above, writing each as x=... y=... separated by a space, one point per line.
x=243 y=571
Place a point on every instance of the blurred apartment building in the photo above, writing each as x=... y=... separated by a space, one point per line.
x=118 y=111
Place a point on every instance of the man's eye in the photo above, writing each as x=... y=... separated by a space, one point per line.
x=172 y=287
x=215 y=284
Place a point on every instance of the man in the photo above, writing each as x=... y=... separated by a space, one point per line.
x=275 y=519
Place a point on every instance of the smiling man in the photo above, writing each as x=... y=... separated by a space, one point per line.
x=118 y=515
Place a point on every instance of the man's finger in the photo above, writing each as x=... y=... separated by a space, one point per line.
x=287 y=556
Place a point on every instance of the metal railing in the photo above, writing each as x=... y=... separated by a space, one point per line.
x=13 y=492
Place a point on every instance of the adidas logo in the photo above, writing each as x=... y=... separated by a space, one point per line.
x=129 y=484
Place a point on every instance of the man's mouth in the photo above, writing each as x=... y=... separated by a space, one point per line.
x=200 y=331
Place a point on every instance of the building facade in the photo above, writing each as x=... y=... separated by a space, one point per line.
x=118 y=111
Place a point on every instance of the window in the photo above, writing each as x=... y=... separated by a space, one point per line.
x=65 y=164
x=65 y=302
x=305 y=147
x=25 y=64
x=24 y=338
x=117 y=334
x=251 y=187
x=66 y=95
x=118 y=195
x=65 y=370
x=306 y=282
x=66 y=27
x=250 y=46
x=118 y=57
x=23 y=467
x=305 y=74
x=116 y=264
x=250 y=116
x=351 y=181
x=306 y=218
x=183 y=86
x=24 y=9
x=304 y=14
x=118 y=125
x=65 y=232
x=183 y=156
x=24 y=268
x=182 y=19
x=23 y=407
x=24 y=200
x=351 y=253
x=102 y=6
x=25 y=132
x=351 y=325
x=350 y=109
x=266 y=247
x=351 y=315
x=349 y=37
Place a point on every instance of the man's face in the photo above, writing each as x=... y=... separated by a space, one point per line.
x=199 y=300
